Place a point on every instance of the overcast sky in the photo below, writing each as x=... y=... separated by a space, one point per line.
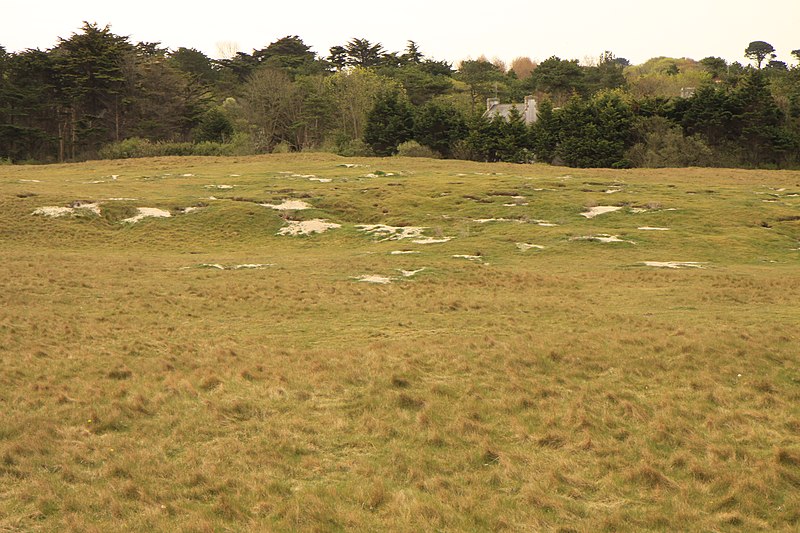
x=571 y=29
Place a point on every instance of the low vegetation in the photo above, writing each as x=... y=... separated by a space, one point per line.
x=521 y=371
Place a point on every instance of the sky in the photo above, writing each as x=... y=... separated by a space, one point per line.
x=444 y=30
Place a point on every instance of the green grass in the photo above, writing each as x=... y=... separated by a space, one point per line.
x=570 y=388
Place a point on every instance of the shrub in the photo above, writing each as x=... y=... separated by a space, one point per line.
x=415 y=149
x=137 y=147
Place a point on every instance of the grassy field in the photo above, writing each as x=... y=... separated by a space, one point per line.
x=147 y=383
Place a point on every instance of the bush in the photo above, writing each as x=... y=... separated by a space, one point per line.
x=352 y=148
x=282 y=147
x=137 y=147
x=415 y=149
x=663 y=144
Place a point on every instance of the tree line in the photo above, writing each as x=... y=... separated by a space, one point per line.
x=97 y=94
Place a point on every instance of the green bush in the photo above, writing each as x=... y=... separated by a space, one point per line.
x=415 y=149
x=138 y=147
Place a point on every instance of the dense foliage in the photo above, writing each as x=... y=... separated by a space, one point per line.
x=94 y=91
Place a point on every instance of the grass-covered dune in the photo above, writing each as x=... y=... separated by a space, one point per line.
x=543 y=371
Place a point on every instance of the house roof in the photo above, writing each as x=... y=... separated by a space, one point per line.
x=505 y=109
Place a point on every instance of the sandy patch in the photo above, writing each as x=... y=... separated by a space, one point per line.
x=379 y=175
x=410 y=273
x=29 y=181
x=650 y=228
x=601 y=237
x=252 y=266
x=469 y=257
x=650 y=209
x=307 y=227
x=612 y=191
x=524 y=246
x=349 y=165
x=544 y=223
x=222 y=187
x=288 y=205
x=309 y=176
x=392 y=233
x=674 y=264
x=186 y=175
x=234 y=175
x=122 y=199
x=600 y=210
x=57 y=211
x=431 y=240
x=485 y=220
x=321 y=180
x=53 y=211
x=403 y=252
x=383 y=280
x=246 y=266
x=148 y=212
x=188 y=210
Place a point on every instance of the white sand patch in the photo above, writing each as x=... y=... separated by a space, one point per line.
x=95 y=182
x=90 y=206
x=57 y=211
x=186 y=175
x=188 y=210
x=114 y=176
x=321 y=180
x=29 y=181
x=210 y=198
x=612 y=191
x=650 y=228
x=674 y=264
x=485 y=220
x=303 y=176
x=148 y=212
x=383 y=280
x=122 y=199
x=246 y=266
x=524 y=246
x=307 y=227
x=431 y=240
x=403 y=252
x=252 y=266
x=219 y=187
x=53 y=211
x=382 y=175
x=516 y=204
x=410 y=273
x=650 y=209
x=601 y=237
x=469 y=257
x=392 y=233
x=600 y=210
x=288 y=205
x=349 y=165
x=234 y=175
x=544 y=223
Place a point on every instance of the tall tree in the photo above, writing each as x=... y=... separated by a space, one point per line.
x=559 y=78
x=439 y=125
x=91 y=66
x=389 y=123
x=758 y=51
x=268 y=96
